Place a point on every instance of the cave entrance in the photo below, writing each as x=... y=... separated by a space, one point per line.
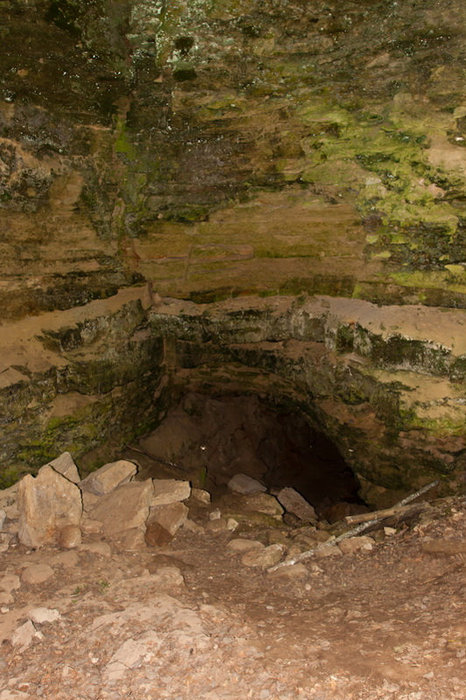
x=208 y=439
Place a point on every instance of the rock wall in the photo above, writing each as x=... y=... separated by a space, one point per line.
x=385 y=384
x=82 y=378
x=223 y=149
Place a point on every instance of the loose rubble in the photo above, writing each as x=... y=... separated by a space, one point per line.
x=153 y=589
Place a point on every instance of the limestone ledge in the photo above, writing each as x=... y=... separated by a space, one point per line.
x=79 y=379
x=386 y=384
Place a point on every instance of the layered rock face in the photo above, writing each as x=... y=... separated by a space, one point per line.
x=312 y=153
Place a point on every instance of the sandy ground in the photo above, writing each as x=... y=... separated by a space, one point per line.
x=192 y=621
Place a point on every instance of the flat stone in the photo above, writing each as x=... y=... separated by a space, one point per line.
x=268 y=556
x=242 y=483
x=22 y=637
x=170 y=516
x=37 y=573
x=356 y=544
x=167 y=491
x=241 y=545
x=293 y=502
x=295 y=572
x=262 y=503
x=2 y=517
x=9 y=582
x=64 y=465
x=124 y=508
x=42 y=615
x=69 y=537
x=109 y=477
x=46 y=504
x=131 y=654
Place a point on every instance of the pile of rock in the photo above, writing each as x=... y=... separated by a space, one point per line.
x=56 y=507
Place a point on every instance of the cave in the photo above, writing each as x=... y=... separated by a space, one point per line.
x=232 y=243
x=275 y=211
x=210 y=438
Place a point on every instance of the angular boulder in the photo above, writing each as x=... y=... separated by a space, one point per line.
x=124 y=508
x=171 y=516
x=242 y=483
x=168 y=491
x=47 y=503
x=64 y=465
x=164 y=522
x=109 y=477
x=293 y=502
x=201 y=496
x=262 y=503
x=264 y=557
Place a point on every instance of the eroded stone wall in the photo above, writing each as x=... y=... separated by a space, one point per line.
x=223 y=149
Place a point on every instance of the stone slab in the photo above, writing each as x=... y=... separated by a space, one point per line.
x=242 y=483
x=107 y=478
x=293 y=502
x=124 y=508
x=64 y=465
x=46 y=504
x=168 y=491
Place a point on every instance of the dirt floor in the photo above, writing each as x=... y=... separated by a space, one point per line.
x=190 y=620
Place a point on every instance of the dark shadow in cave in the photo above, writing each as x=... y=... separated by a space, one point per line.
x=213 y=437
x=299 y=456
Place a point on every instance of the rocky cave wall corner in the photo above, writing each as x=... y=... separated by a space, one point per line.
x=288 y=181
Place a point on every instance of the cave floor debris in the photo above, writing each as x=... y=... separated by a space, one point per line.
x=189 y=620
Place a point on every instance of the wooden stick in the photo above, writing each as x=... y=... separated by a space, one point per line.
x=350 y=533
x=394 y=510
x=379 y=514
x=417 y=493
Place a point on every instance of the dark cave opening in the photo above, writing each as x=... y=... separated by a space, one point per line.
x=210 y=438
